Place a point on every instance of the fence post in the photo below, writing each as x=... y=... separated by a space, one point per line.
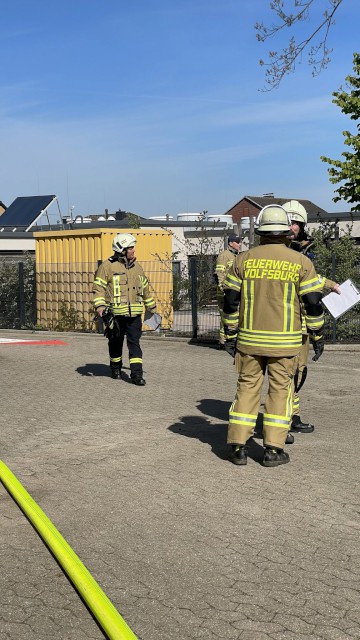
x=193 y=281
x=21 y=295
x=100 y=321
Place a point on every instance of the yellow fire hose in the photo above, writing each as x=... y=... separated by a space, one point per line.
x=99 y=604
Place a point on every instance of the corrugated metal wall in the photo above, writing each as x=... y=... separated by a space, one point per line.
x=67 y=260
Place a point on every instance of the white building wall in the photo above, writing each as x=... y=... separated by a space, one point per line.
x=343 y=226
x=184 y=245
x=17 y=244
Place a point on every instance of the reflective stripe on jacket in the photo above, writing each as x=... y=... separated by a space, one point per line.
x=223 y=263
x=306 y=248
x=123 y=287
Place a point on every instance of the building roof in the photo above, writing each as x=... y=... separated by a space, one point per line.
x=126 y=224
x=262 y=201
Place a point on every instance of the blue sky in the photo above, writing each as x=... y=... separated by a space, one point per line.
x=155 y=106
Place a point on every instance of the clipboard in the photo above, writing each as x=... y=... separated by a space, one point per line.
x=337 y=304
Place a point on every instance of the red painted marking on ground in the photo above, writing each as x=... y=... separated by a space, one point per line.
x=37 y=342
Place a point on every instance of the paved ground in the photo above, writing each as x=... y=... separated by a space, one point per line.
x=185 y=544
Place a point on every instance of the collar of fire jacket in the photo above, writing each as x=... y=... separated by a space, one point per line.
x=123 y=259
x=274 y=240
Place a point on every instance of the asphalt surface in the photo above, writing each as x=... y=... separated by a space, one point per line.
x=185 y=544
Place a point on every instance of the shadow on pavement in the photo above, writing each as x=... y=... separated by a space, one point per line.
x=98 y=370
x=219 y=409
x=213 y=435
x=214 y=408
x=93 y=370
x=209 y=345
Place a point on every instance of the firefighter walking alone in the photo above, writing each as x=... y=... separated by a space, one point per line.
x=262 y=317
x=121 y=289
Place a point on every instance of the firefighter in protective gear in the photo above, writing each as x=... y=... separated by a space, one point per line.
x=121 y=287
x=263 y=294
x=303 y=243
x=223 y=263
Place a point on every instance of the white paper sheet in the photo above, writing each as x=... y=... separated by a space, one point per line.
x=153 y=321
x=337 y=304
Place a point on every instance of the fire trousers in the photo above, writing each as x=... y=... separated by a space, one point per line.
x=131 y=328
x=302 y=366
x=278 y=404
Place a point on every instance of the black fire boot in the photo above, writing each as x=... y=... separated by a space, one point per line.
x=138 y=379
x=289 y=438
x=301 y=427
x=273 y=457
x=115 y=372
x=238 y=454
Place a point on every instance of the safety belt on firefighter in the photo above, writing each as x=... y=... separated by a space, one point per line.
x=299 y=383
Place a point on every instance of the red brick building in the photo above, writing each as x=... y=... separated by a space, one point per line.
x=251 y=206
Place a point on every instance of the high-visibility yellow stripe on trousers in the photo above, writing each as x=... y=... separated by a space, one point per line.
x=271 y=420
x=247 y=419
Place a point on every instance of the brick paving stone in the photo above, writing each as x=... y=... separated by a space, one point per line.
x=185 y=544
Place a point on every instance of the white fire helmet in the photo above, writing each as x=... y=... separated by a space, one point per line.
x=296 y=211
x=123 y=241
x=273 y=220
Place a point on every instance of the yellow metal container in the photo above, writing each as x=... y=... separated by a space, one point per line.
x=66 y=262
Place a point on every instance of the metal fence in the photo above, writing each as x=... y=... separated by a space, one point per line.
x=64 y=294
x=59 y=299
x=17 y=294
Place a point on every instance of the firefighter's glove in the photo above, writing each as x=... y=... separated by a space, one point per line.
x=108 y=318
x=230 y=346
x=318 y=344
x=111 y=326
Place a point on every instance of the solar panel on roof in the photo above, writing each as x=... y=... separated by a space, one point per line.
x=24 y=211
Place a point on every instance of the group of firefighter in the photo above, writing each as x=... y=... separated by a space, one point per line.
x=270 y=312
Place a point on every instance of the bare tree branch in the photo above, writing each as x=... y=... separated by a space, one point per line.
x=282 y=62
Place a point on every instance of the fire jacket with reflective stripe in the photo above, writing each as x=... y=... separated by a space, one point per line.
x=305 y=247
x=223 y=263
x=123 y=287
x=262 y=294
